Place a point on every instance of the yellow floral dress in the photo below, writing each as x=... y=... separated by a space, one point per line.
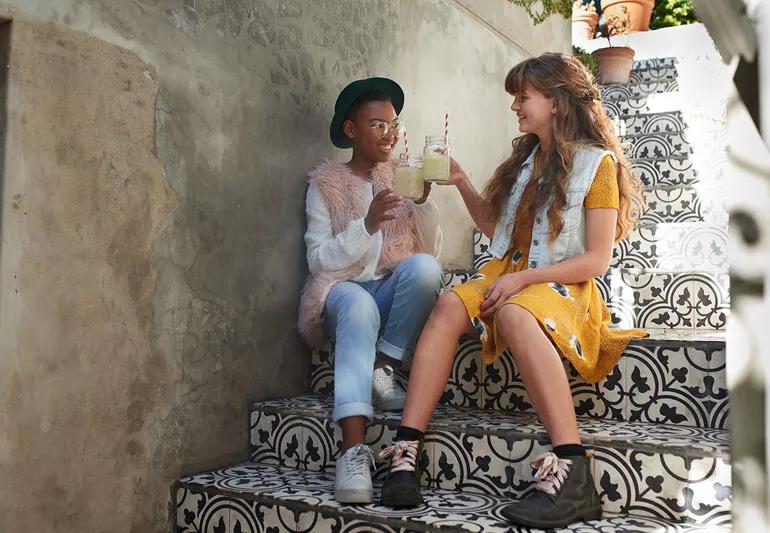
x=574 y=316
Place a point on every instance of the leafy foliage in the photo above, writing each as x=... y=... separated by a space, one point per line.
x=667 y=13
x=587 y=59
x=539 y=10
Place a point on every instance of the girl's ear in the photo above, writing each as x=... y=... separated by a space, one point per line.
x=349 y=129
x=553 y=106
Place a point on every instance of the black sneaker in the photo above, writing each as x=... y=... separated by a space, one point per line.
x=565 y=494
x=402 y=486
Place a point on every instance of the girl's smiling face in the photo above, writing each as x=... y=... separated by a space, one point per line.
x=534 y=110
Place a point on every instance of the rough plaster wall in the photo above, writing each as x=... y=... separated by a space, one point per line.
x=84 y=197
x=146 y=320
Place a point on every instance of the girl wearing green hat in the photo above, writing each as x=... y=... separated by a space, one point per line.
x=373 y=277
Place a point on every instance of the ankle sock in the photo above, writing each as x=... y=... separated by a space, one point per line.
x=407 y=433
x=569 y=450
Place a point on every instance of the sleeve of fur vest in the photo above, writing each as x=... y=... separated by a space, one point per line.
x=427 y=222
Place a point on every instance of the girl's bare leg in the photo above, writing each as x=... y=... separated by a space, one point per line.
x=542 y=371
x=433 y=359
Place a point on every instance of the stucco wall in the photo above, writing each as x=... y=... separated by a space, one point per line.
x=152 y=220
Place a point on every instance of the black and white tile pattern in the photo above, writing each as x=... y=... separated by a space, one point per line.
x=655 y=299
x=486 y=452
x=695 y=490
x=670 y=382
x=650 y=123
x=684 y=204
x=651 y=103
x=657 y=145
x=633 y=89
x=674 y=247
x=652 y=75
x=665 y=172
x=655 y=63
x=260 y=498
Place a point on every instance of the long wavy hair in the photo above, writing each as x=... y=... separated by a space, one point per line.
x=580 y=119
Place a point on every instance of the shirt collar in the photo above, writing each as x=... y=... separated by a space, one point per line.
x=531 y=158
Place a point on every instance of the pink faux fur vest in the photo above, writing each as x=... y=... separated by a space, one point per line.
x=335 y=182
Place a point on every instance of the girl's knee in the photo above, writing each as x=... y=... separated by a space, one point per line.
x=450 y=312
x=359 y=310
x=512 y=318
x=424 y=272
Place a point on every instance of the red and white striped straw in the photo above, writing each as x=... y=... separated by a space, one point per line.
x=446 y=123
x=406 y=144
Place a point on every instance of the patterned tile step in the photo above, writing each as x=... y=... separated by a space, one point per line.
x=652 y=103
x=657 y=299
x=674 y=247
x=660 y=383
x=634 y=89
x=668 y=472
x=657 y=145
x=700 y=203
x=666 y=172
x=256 y=498
x=654 y=63
x=650 y=123
x=670 y=378
x=659 y=74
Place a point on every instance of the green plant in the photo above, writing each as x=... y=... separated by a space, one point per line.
x=539 y=10
x=667 y=13
x=587 y=59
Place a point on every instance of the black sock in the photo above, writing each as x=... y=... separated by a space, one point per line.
x=569 y=450
x=407 y=433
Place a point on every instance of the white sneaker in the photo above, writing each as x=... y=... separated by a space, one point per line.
x=353 y=477
x=387 y=393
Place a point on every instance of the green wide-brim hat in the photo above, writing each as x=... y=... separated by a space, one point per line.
x=353 y=92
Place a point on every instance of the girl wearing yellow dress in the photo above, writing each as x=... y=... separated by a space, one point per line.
x=554 y=210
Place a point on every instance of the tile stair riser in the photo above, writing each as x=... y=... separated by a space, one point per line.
x=667 y=384
x=636 y=88
x=674 y=248
x=652 y=123
x=246 y=499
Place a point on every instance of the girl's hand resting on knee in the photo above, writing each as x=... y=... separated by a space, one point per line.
x=502 y=289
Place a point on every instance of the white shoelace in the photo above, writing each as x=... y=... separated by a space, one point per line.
x=551 y=472
x=361 y=461
x=403 y=454
x=387 y=383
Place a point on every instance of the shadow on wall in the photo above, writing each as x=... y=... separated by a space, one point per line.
x=5 y=41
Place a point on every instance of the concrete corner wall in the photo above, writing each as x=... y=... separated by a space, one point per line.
x=152 y=218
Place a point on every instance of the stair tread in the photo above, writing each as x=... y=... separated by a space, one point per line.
x=656 y=438
x=310 y=495
x=679 y=337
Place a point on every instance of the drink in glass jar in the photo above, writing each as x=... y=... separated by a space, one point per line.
x=408 y=182
x=435 y=159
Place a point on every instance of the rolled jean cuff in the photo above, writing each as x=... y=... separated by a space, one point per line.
x=352 y=409
x=390 y=350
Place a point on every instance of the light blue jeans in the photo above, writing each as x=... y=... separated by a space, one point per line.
x=384 y=315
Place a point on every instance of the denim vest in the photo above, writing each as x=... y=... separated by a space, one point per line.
x=571 y=240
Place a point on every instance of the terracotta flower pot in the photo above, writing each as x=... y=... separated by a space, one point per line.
x=633 y=15
x=615 y=63
x=584 y=25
